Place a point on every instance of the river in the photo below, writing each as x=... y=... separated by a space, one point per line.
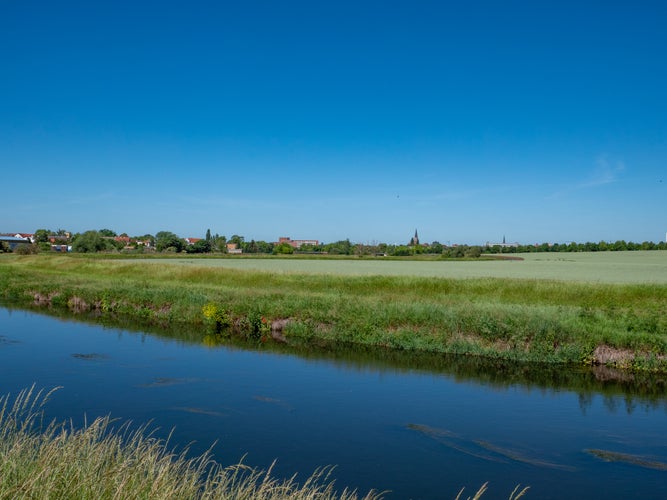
x=420 y=426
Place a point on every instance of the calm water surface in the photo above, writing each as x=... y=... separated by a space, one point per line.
x=420 y=427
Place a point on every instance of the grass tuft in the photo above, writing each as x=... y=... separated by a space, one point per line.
x=102 y=461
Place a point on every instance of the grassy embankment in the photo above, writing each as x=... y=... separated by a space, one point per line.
x=529 y=320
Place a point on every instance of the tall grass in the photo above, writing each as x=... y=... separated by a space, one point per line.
x=105 y=461
x=102 y=461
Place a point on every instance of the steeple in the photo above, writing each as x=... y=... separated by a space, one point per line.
x=415 y=239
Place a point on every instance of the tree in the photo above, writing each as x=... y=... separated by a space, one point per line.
x=202 y=246
x=455 y=252
x=436 y=247
x=107 y=233
x=250 y=247
x=91 y=242
x=283 y=248
x=402 y=251
x=42 y=236
x=145 y=238
x=238 y=240
x=219 y=243
x=620 y=245
x=264 y=247
x=342 y=247
x=208 y=235
x=166 y=239
x=473 y=252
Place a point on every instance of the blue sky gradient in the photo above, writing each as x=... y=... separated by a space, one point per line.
x=540 y=121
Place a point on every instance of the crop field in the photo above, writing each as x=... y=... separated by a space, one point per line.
x=591 y=267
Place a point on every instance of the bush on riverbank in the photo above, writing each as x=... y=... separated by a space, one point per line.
x=528 y=320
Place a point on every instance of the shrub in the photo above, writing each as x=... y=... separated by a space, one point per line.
x=217 y=316
x=26 y=250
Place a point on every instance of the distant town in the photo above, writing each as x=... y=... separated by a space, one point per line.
x=106 y=240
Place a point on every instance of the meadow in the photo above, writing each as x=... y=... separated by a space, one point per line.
x=592 y=267
x=562 y=308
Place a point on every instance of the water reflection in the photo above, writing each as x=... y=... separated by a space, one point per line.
x=620 y=390
x=389 y=419
x=638 y=460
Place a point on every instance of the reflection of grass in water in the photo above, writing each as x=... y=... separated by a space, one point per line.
x=453 y=441
x=638 y=460
x=277 y=402
x=519 y=457
x=167 y=381
x=472 y=448
x=200 y=411
x=89 y=356
x=431 y=431
x=100 y=461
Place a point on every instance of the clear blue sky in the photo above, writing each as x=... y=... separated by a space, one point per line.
x=541 y=121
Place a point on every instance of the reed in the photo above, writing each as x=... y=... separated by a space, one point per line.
x=108 y=460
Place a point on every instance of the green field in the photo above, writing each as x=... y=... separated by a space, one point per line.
x=592 y=267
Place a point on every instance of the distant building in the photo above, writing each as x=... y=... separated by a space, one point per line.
x=504 y=244
x=415 y=240
x=26 y=236
x=59 y=239
x=61 y=248
x=13 y=241
x=296 y=243
x=233 y=248
x=191 y=241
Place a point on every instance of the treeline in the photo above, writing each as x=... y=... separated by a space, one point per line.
x=602 y=246
x=106 y=240
x=474 y=251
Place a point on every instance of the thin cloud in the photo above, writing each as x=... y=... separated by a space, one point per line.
x=605 y=172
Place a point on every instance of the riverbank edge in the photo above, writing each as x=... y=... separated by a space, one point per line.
x=615 y=325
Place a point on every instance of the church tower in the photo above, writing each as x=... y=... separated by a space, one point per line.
x=415 y=239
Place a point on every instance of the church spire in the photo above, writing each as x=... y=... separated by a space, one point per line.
x=415 y=239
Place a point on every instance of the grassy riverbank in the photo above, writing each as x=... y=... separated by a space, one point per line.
x=514 y=319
